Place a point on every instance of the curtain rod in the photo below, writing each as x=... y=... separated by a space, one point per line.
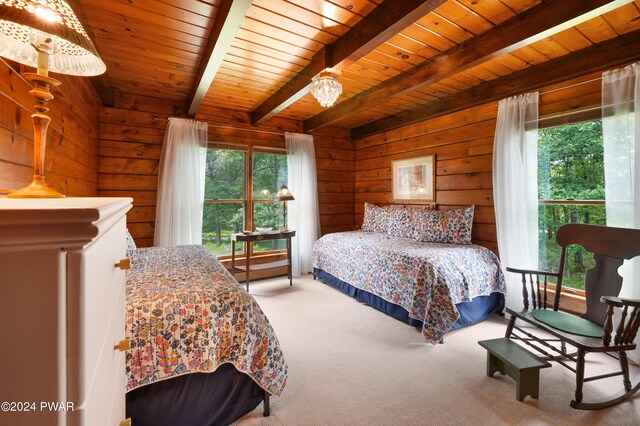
x=231 y=128
x=570 y=86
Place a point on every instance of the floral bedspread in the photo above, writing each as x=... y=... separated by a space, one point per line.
x=426 y=279
x=187 y=314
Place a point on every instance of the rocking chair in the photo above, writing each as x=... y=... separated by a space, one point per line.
x=594 y=331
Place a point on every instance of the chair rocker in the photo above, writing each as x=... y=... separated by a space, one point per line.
x=594 y=331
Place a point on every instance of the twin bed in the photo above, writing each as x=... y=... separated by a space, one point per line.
x=436 y=287
x=202 y=351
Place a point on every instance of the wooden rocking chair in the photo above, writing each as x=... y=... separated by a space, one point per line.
x=594 y=331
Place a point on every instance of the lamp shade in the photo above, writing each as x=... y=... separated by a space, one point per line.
x=50 y=26
x=284 y=194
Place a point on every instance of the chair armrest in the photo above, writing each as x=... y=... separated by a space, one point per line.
x=619 y=302
x=531 y=271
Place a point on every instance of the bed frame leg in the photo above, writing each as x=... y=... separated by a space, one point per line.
x=266 y=409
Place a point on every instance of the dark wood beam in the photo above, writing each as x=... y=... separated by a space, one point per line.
x=385 y=21
x=101 y=83
x=528 y=27
x=599 y=57
x=230 y=15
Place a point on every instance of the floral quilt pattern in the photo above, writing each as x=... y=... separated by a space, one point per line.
x=426 y=279
x=187 y=314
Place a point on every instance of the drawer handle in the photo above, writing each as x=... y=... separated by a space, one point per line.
x=125 y=422
x=124 y=264
x=124 y=345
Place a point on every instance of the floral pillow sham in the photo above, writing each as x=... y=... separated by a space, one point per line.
x=131 y=244
x=395 y=220
x=376 y=219
x=444 y=226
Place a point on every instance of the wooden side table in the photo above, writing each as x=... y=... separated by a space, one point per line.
x=257 y=236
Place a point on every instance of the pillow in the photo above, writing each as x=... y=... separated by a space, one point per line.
x=376 y=219
x=401 y=223
x=444 y=226
x=131 y=245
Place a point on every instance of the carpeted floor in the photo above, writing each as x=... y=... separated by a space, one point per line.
x=352 y=365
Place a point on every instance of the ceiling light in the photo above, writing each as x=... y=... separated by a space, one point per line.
x=325 y=88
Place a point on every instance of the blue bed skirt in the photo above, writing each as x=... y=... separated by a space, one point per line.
x=203 y=399
x=470 y=312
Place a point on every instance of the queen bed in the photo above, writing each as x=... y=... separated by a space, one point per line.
x=202 y=351
x=437 y=287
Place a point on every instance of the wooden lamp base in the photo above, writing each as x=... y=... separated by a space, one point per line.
x=40 y=91
x=36 y=189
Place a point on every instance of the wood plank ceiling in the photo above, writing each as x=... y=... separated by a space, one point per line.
x=400 y=61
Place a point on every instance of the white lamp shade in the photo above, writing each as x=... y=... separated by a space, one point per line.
x=53 y=26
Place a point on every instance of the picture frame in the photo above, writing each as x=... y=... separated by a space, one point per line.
x=413 y=179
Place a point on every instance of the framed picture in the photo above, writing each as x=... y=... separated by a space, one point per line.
x=414 y=178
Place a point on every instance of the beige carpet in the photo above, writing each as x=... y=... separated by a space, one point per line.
x=352 y=365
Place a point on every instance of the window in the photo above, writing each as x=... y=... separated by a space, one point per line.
x=240 y=185
x=570 y=190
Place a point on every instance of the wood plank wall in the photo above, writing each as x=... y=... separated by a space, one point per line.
x=335 y=164
x=131 y=142
x=463 y=144
x=72 y=139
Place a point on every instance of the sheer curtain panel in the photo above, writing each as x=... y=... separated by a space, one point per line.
x=515 y=188
x=304 y=217
x=621 y=127
x=181 y=183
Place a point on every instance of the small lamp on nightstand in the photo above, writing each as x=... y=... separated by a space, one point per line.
x=48 y=36
x=284 y=195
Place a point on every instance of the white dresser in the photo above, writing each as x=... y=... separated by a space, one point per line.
x=62 y=311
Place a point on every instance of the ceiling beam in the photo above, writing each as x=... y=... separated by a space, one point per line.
x=385 y=21
x=101 y=83
x=230 y=15
x=534 y=24
x=599 y=57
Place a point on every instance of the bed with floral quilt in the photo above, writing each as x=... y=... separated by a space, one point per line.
x=416 y=264
x=201 y=349
x=436 y=286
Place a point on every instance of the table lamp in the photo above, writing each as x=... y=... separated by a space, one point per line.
x=47 y=35
x=284 y=195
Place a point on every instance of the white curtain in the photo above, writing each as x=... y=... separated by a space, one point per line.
x=515 y=188
x=304 y=217
x=621 y=127
x=181 y=183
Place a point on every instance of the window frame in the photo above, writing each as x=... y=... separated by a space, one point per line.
x=247 y=190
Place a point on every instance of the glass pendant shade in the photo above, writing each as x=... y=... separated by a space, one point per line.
x=51 y=27
x=325 y=88
x=284 y=194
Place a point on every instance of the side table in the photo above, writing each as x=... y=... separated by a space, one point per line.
x=261 y=236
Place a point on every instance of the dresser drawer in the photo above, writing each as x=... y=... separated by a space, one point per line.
x=104 y=402
x=95 y=322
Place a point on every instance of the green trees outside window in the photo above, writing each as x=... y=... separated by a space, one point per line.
x=570 y=190
x=232 y=206
x=269 y=174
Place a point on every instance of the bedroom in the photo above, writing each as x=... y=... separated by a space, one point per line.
x=243 y=68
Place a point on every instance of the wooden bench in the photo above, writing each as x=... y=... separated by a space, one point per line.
x=509 y=358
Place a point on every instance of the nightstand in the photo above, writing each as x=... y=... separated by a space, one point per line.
x=252 y=237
